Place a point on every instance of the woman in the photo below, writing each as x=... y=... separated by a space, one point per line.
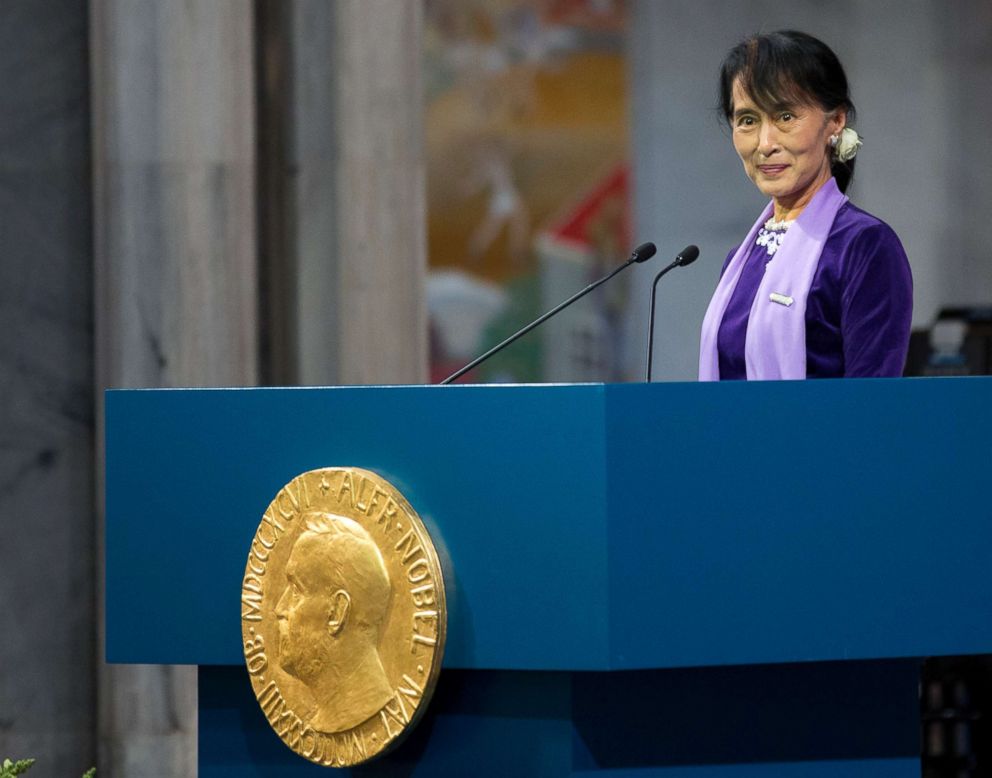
x=819 y=288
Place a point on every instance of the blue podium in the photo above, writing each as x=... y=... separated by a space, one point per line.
x=675 y=580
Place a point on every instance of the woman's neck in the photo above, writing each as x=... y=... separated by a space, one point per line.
x=789 y=208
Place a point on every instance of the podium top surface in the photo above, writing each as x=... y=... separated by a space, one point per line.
x=588 y=527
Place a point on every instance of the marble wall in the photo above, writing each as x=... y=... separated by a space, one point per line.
x=175 y=272
x=47 y=523
x=359 y=190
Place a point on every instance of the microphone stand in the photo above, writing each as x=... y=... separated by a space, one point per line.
x=654 y=289
x=479 y=360
x=687 y=256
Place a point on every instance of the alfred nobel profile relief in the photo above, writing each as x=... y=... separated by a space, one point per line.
x=331 y=616
x=343 y=615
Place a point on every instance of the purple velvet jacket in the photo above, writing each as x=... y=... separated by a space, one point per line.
x=859 y=308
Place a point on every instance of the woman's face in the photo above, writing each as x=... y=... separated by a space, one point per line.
x=787 y=153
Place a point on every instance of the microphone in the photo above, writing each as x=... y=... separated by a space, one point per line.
x=642 y=253
x=686 y=256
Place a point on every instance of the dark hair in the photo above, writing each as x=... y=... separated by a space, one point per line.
x=788 y=68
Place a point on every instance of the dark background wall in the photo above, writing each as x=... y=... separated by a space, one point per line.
x=47 y=697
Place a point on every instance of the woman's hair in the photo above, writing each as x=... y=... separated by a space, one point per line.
x=788 y=68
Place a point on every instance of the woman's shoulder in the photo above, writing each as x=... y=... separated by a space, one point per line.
x=853 y=222
x=860 y=243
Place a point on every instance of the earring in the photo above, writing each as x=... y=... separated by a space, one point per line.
x=833 y=141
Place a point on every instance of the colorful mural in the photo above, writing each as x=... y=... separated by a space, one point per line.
x=526 y=127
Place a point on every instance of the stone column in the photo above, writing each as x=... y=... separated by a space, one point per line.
x=47 y=679
x=357 y=150
x=174 y=170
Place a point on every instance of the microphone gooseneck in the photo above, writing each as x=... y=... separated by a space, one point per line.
x=686 y=256
x=642 y=253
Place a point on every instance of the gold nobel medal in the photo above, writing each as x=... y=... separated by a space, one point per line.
x=342 y=615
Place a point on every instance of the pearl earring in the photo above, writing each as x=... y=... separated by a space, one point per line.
x=833 y=141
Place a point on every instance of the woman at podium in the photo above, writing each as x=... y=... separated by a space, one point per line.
x=819 y=288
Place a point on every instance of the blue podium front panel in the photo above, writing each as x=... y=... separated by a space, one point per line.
x=796 y=521
x=587 y=527
x=509 y=481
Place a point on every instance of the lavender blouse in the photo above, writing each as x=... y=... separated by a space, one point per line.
x=859 y=307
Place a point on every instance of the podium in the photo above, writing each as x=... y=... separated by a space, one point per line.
x=675 y=580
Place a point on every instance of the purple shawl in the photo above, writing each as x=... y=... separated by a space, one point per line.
x=775 y=345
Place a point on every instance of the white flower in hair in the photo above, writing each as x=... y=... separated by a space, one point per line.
x=847 y=145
